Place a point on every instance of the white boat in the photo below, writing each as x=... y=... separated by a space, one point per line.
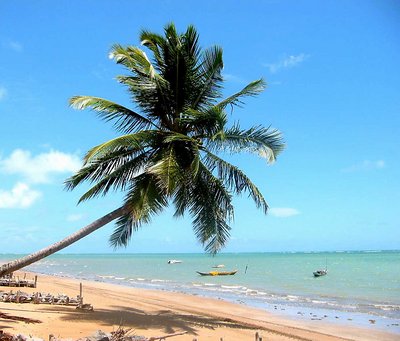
x=218 y=266
x=320 y=273
x=174 y=261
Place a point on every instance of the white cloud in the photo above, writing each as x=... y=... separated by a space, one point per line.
x=287 y=62
x=366 y=165
x=3 y=92
x=39 y=168
x=21 y=196
x=283 y=212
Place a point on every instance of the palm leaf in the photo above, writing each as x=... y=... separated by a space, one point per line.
x=125 y=119
x=235 y=179
x=265 y=142
x=117 y=179
x=252 y=89
x=210 y=78
x=211 y=207
x=144 y=199
x=133 y=142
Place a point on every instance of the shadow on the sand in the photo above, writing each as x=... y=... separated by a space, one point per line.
x=165 y=320
x=9 y=317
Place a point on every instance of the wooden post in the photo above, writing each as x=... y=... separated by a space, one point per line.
x=80 y=295
x=36 y=298
x=35 y=281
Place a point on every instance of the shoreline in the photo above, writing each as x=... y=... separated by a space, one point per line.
x=159 y=312
x=299 y=310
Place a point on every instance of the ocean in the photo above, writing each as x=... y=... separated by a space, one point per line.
x=361 y=288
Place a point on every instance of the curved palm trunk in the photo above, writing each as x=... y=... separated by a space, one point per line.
x=83 y=232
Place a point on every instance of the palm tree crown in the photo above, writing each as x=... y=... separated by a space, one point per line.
x=167 y=152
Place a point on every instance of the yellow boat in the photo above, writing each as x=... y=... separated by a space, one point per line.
x=217 y=273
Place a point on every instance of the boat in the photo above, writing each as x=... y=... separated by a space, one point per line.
x=217 y=273
x=218 y=266
x=174 y=261
x=320 y=273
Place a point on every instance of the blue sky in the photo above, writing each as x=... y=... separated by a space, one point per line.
x=333 y=72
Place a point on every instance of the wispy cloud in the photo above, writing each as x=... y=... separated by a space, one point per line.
x=3 y=92
x=234 y=78
x=286 y=62
x=283 y=212
x=15 y=46
x=366 y=165
x=74 y=217
x=21 y=196
x=39 y=168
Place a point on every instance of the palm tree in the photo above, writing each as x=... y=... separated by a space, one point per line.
x=168 y=150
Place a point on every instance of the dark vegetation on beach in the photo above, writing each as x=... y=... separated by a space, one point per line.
x=168 y=150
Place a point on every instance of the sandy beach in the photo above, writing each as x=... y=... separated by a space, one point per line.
x=153 y=313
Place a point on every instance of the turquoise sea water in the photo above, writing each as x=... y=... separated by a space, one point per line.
x=361 y=287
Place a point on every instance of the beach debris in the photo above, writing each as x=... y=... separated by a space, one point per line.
x=121 y=334
x=99 y=335
x=38 y=298
x=372 y=321
x=85 y=307
x=46 y=298
x=29 y=338
x=15 y=281
x=257 y=337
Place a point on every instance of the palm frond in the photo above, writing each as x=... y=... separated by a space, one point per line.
x=136 y=61
x=133 y=142
x=204 y=123
x=96 y=170
x=125 y=119
x=167 y=171
x=252 y=89
x=235 y=179
x=211 y=207
x=117 y=179
x=265 y=142
x=124 y=228
x=144 y=199
x=209 y=79
x=153 y=42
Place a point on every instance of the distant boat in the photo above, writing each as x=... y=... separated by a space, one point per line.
x=320 y=273
x=218 y=266
x=217 y=273
x=174 y=261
